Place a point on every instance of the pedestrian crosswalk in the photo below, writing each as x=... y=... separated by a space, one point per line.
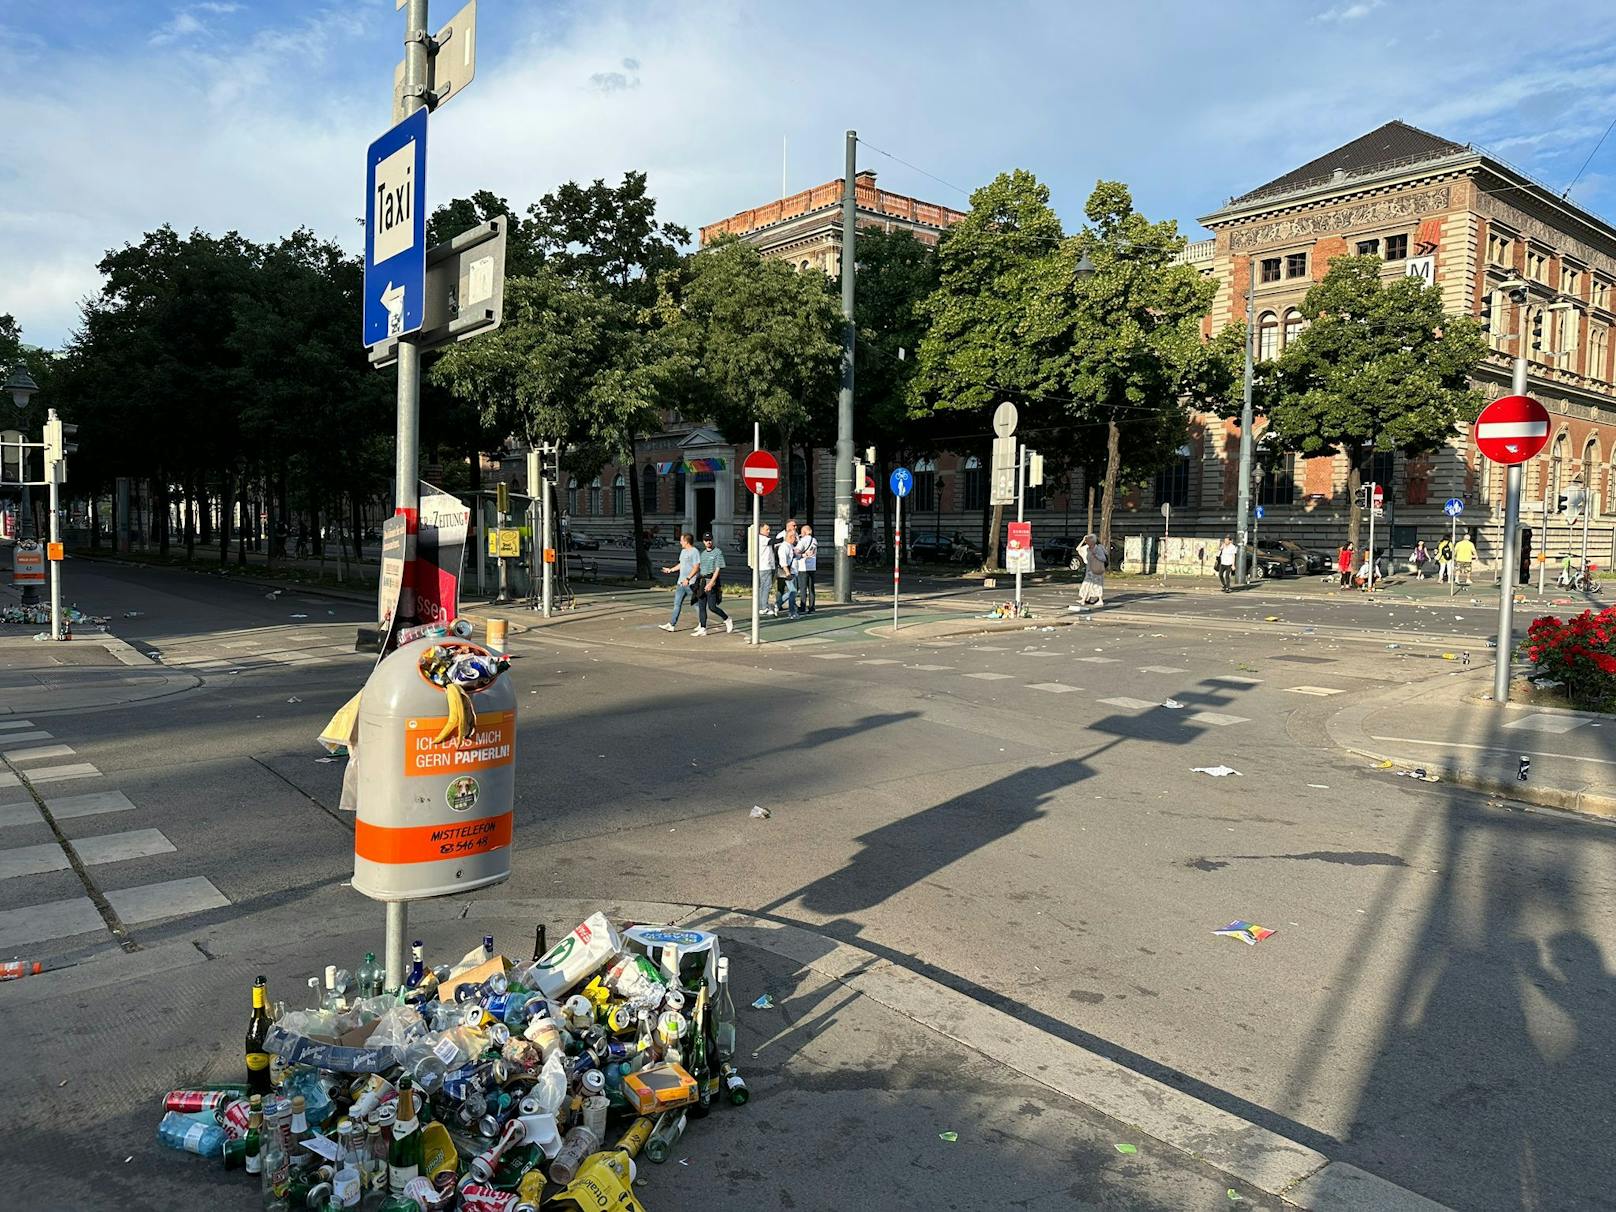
x=97 y=848
x=270 y=649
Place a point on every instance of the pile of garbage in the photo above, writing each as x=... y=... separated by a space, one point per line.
x=479 y=1086
x=1009 y=610
x=39 y=615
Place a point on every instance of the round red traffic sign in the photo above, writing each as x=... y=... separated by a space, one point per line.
x=866 y=492
x=761 y=472
x=1512 y=429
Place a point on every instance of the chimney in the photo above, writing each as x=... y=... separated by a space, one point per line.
x=865 y=177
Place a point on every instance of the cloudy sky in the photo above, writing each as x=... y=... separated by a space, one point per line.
x=119 y=115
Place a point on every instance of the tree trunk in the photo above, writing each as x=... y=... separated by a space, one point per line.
x=227 y=504
x=1354 y=514
x=244 y=502
x=1113 y=467
x=642 y=552
x=990 y=555
x=1089 y=529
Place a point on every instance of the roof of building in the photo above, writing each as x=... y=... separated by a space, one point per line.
x=1395 y=143
x=867 y=198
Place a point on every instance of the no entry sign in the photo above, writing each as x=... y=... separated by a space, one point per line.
x=761 y=473
x=1512 y=429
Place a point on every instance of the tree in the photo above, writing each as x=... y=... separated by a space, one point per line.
x=1122 y=345
x=977 y=351
x=759 y=341
x=1378 y=367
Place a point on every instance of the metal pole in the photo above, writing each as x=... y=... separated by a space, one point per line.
x=1254 y=549
x=55 y=564
x=1021 y=459
x=1374 y=564
x=406 y=487
x=1167 y=538
x=1587 y=508
x=1512 y=525
x=844 y=401
x=1543 y=539
x=25 y=526
x=1246 y=423
x=504 y=565
x=547 y=526
x=1453 y=541
x=752 y=542
x=897 y=553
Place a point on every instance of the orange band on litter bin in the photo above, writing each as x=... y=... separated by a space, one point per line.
x=431 y=843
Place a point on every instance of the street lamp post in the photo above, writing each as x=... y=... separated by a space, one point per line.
x=20 y=386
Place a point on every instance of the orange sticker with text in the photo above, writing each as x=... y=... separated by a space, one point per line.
x=431 y=843
x=491 y=744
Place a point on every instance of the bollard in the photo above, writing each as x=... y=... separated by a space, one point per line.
x=496 y=634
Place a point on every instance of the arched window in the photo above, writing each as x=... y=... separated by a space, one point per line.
x=1267 y=336
x=648 y=489
x=1590 y=464
x=1598 y=353
x=619 y=495
x=594 y=497
x=924 y=497
x=1294 y=324
x=1557 y=467
x=572 y=496
x=976 y=483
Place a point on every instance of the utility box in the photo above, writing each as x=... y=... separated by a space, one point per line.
x=434 y=818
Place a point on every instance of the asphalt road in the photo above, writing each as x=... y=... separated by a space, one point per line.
x=1018 y=816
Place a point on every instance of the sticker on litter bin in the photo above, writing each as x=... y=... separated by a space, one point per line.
x=429 y=843
x=491 y=745
x=461 y=794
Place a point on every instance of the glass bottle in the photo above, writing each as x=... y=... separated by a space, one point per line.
x=724 y=1016
x=255 y=1136
x=301 y=1157
x=257 y=1030
x=417 y=965
x=275 y=1171
x=699 y=1069
x=404 y=1155
x=735 y=1084
x=670 y=1127
x=346 y=1186
x=374 y=1171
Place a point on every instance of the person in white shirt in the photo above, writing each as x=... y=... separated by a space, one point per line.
x=765 y=566
x=1228 y=553
x=785 y=555
x=807 y=563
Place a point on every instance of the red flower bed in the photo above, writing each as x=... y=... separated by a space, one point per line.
x=1580 y=652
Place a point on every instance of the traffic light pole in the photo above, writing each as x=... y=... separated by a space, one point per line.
x=1543 y=539
x=50 y=554
x=1512 y=526
x=843 y=529
x=1246 y=423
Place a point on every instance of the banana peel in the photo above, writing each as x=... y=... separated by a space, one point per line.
x=462 y=717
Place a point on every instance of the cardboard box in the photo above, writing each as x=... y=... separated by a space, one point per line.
x=473 y=976
x=345 y=1054
x=657 y=1088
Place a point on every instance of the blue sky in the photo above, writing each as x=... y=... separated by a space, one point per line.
x=119 y=115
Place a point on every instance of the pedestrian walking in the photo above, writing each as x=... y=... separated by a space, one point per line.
x=1420 y=559
x=808 y=557
x=688 y=568
x=765 y=566
x=1464 y=555
x=1095 y=559
x=1343 y=565
x=1228 y=553
x=710 y=586
x=785 y=555
x=1444 y=556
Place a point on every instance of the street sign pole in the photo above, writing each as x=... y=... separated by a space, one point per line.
x=1587 y=508
x=752 y=539
x=1543 y=539
x=1167 y=538
x=1256 y=517
x=1374 y=564
x=1453 y=541
x=50 y=556
x=1512 y=525
x=1021 y=459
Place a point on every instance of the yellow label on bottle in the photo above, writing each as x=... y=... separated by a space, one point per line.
x=257 y=1060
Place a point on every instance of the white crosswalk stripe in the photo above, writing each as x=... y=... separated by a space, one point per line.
x=9 y=725
x=1161 y=669
x=1054 y=687
x=38 y=754
x=13 y=738
x=1318 y=691
x=1099 y=660
x=880 y=661
x=93 y=851
x=831 y=656
x=933 y=668
x=1129 y=704
x=987 y=677
x=53 y=774
x=1217 y=719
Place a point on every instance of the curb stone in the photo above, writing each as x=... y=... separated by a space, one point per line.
x=1247 y=1153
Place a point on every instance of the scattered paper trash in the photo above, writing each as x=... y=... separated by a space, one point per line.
x=1247 y=932
x=323 y=761
x=300 y=616
x=950 y=1137
x=764 y=1003
x=272 y=594
x=1385 y=765
x=1216 y=772
x=1127 y=1149
x=1172 y=704
x=294 y=699
x=1319 y=786
x=760 y=813
x=1270 y=618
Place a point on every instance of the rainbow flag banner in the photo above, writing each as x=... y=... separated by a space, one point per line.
x=1247 y=932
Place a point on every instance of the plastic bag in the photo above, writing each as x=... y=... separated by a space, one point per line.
x=399 y=1026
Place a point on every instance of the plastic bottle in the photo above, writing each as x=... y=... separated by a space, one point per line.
x=198 y=1133
x=580 y=1142
x=670 y=1127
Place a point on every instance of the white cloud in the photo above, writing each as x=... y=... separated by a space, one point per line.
x=1349 y=12
x=187 y=22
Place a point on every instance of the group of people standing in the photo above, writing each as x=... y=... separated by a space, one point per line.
x=786 y=575
x=1453 y=561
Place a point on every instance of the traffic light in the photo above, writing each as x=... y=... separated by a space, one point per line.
x=1035 y=469
x=1487 y=314
x=1562 y=503
x=1537 y=329
x=57 y=447
x=1365 y=495
x=502 y=497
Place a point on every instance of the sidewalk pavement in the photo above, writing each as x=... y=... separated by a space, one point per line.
x=857 y=1071
x=1450 y=727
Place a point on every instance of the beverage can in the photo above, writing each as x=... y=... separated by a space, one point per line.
x=480 y=1197
x=234 y=1118
x=196 y=1100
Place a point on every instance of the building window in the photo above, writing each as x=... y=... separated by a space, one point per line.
x=1601 y=294
x=620 y=495
x=1369 y=248
x=1590 y=456
x=648 y=489
x=1537 y=265
x=594 y=497
x=1296 y=265
x=1382 y=471
x=1173 y=481
x=976 y=484
x=572 y=498
x=1397 y=248
x=1268 y=270
x=1500 y=249
x=1267 y=336
x=1598 y=353
x=1568 y=328
x=1277 y=485
x=925 y=489
x=1570 y=280
x=1294 y=324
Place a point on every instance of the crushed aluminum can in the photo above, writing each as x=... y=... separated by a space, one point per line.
x=479 y=1197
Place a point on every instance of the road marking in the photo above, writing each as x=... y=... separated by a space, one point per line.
x=244 y=644
x=987 y=648
x=1161 y=669
x=13 y=738
x=1564 y=757
x=1100 y=660
x=1217 y=720
x=53 y=919
x=149 y=902
x=933 y=668
x=302 y=659
x=38 y=754
x=831 y=656
x=71 y=807
x=1232 y=679
x=1546 y=723
x=1054 y=687
x=987 y=677
x=1320 y=691
x=8 y=725
x=803 y=641
x=105 y=848
x=53 y=774
x=880 y=661
x=1130 y=704
x=23 y=812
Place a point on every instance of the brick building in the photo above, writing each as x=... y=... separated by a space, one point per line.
x=1464 y=220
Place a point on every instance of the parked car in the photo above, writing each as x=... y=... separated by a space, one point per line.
x=1057 y=553
x=1287 y=558
x=578 y=541
x=930 y=547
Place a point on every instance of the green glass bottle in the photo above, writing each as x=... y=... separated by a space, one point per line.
x=404 y=1155
x=700 y=1069
x=257 y=1029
